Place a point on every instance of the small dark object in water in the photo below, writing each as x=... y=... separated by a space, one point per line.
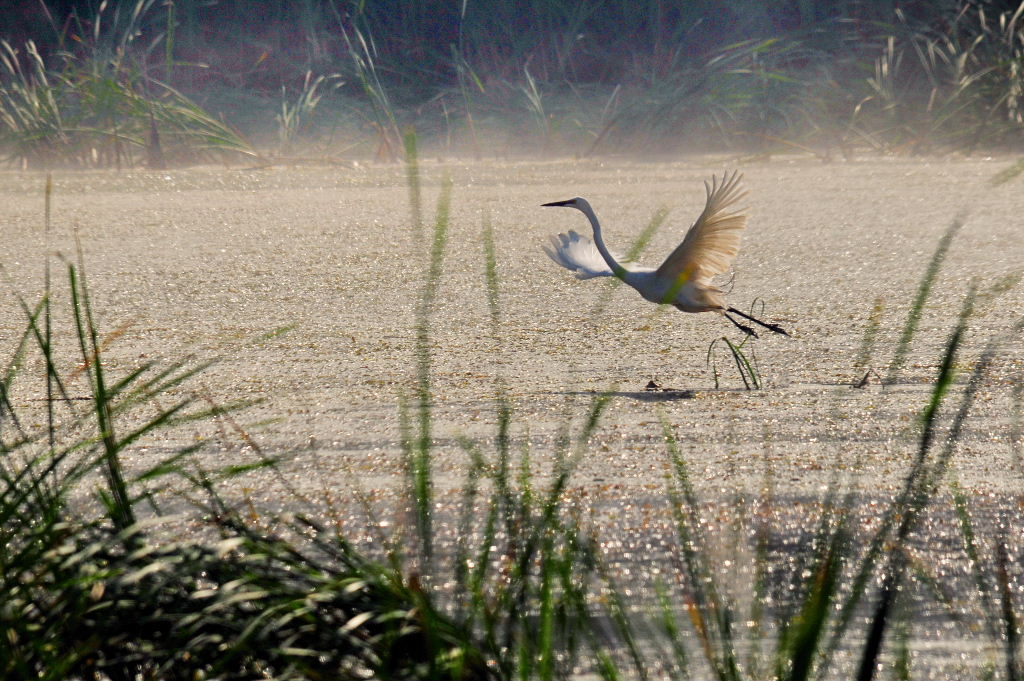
x=864 y=382
x=654 y=392
x=153 y=148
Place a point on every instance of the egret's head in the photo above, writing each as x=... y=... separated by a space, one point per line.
x=576 y=203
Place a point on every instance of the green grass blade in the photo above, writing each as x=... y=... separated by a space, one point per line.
x=48 y=321
x=711 y=614
x=919 y=487
x=744 y=366
x=1009 y=616
x=491 y=273
x=120 y=502
x=1007 y=174
x=968 y=538
x=867 y=343
x=802 y=643
x=420 y=465
x=924 y=289
x=412 y=178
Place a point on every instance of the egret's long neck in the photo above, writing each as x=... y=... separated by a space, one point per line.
x=618 y=269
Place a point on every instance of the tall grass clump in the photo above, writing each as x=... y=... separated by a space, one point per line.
x=745 y=367
x=742 y=90
x=94 y=101
x=105 y=85
x=954 y=85
x=363 y=58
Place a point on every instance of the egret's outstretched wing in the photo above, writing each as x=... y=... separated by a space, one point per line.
x=712 y=242
x=579 y=254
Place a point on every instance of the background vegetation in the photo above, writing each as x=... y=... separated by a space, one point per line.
x=104 y=84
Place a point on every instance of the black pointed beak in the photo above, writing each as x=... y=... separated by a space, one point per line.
x=558 y=203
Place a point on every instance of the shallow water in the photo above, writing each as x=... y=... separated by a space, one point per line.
x=208 y=261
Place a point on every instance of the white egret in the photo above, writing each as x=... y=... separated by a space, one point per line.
x=684 y=279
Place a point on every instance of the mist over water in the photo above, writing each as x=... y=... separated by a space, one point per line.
x=340 y=80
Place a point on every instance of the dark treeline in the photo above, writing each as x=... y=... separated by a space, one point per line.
x=570 y=76
x=262 y=44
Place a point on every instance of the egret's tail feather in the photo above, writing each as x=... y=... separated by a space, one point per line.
x=771 y=327
x=579 y=254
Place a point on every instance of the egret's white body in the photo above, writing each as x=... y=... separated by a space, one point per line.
x=684 y=279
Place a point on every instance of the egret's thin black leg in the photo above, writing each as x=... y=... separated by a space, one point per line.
x=742 y=327
x=771 y=327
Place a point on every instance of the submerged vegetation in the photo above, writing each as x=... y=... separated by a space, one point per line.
x=181 y=82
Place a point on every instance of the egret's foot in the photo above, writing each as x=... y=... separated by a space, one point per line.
x=771 y=327
x=742 y=327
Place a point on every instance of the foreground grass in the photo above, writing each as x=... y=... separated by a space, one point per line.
x=88 y=592
x=523 y=591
